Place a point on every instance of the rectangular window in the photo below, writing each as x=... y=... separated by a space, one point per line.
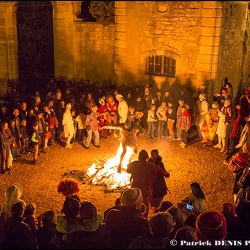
x=160 y=65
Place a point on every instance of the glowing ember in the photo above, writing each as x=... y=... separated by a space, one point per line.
x=108 y=175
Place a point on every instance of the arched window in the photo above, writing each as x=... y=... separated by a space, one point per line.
x=159 y=65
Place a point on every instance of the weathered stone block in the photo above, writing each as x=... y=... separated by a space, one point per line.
x=121 y=27
x=209 y=49
x=121 y=43
x=208 y=58
x=211 y=12
x=210 y=40
x=208 y=31
x=211 y=21
x=120 y=4
x=120 y=19
x=120 y=12
x=212 y=4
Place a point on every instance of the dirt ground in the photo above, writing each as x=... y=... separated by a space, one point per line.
x=194 y=163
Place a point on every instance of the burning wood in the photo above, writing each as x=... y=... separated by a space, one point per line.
x=105 y=172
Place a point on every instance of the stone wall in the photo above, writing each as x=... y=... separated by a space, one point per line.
x=94 y=51
x=234 y=58
x=8 y=45
x=181 y=30
x=82 y=50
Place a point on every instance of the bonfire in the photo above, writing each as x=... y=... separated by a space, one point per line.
x=105 y=172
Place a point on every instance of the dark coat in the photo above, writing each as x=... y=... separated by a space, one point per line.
x=123 y=226
x=19 y=235
x=159 y=187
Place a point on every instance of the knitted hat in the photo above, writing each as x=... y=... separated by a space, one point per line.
x=71 y=207
x=131 y=197
x=197 y=191
x=211 y=225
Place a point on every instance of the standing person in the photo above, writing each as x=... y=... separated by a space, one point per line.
x=5 y=140
x=68 y=125
x=221 y=129
x=122 y=109
x=103 y=117
x=234 y=135
x=24 y=137
x=185 y=123
x=171 y=118
x=92 y=127
x=178 y=114
x=81 y=126
x=238 y=163
x=161 y=114
x=36 y=140
x=151 y=120
x=159 y=186
x=143 y=174
x=200 y=110
x=112 y=107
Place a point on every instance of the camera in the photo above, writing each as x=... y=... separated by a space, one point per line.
x=189 y=207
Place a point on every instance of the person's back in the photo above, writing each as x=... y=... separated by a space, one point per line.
x=143 y=174
x=122 y=226
x=19 y=235
x=47 y=235
x=161 y=225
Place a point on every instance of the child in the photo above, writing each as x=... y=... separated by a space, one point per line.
x=30 y=217
x=161 y=113
x=47 y=136
x=81 y=126
x=185 y=123
x=171 y=118
x=92 y=127
x=151 y=121
x=103 y=118
x=36 y=141
x=24 y=137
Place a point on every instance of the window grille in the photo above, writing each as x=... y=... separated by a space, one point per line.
x=161 y=66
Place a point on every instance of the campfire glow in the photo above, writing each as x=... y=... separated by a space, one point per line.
x=105 y=173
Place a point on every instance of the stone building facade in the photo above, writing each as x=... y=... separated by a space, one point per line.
x=163 y=42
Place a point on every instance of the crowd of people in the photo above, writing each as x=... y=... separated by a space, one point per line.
x=70 y=111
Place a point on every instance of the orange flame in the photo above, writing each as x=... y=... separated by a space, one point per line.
x=108 y=175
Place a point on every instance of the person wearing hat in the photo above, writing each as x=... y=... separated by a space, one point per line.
x=68 y=125
x=103 y=118
x=124 y=225
x=92 y=127
x=200 y=110
x=122 y=108
x=210 y=225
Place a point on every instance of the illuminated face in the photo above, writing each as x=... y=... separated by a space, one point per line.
x=164 y=105
x=201 y=97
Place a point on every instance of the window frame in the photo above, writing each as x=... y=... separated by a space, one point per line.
x=160 y=65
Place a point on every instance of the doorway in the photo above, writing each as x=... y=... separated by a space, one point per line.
x=35 y=45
